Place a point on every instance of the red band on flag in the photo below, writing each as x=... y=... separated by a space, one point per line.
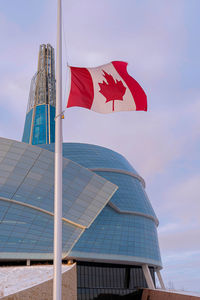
x=136 y=90
x=82 y=91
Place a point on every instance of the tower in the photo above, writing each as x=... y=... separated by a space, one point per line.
x=39 y=125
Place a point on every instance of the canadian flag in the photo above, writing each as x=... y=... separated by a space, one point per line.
x=106 y=89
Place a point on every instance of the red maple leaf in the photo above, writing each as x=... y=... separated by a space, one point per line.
x=112 y=90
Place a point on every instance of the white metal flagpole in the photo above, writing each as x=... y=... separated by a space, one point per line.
x=57 y=281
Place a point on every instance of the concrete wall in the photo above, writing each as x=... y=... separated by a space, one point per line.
x=44 y=291
x=161 y=295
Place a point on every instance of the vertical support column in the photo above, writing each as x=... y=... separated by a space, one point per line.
x=28 y=262
x=160 y=280
x=148 y=277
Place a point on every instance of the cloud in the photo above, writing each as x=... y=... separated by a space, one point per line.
x=150 y=49
x=19 y=54
x=146 y=139
x=179 y=236
x=180 y=270
x=180 y=241
x=181 y=196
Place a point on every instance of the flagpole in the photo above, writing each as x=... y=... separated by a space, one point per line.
x=57 y=280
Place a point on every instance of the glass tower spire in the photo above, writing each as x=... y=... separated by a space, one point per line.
x=39 y=125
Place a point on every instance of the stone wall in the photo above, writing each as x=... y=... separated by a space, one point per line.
x=44 y=291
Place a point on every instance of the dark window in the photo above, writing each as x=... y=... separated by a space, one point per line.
x=108 y=281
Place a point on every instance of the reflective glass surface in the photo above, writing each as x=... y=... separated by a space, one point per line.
x=131 y=195
x=27 y=176
x=27 y=127
x=26 y=230
x=92 y=156
x=43 y=118
x=40 y=125
x=52 y=123
x=111 y=234
x=115 y=235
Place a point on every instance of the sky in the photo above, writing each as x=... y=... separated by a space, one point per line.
x=160 y=40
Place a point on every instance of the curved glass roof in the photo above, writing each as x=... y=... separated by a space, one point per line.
x=27 y=181
x=92 y=156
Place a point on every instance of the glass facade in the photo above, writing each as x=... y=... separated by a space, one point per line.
x=39 y=126
x=27 y=197
x=28 y=233
x=27 y=127
x=131 y=195
x=92 y=156
x=119 y=237
x=126 y=229
x=51 y=123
